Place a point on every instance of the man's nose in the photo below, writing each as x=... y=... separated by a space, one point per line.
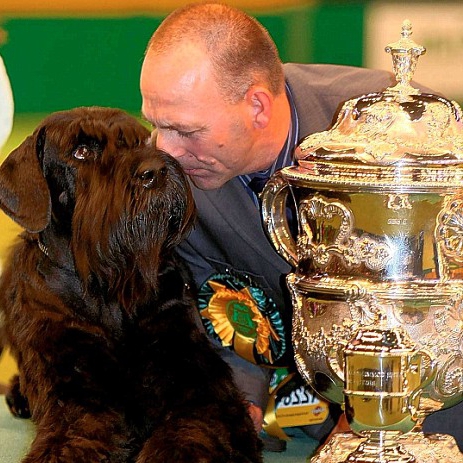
x=167 y=143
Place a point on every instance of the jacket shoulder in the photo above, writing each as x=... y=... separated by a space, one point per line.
x=319 y=90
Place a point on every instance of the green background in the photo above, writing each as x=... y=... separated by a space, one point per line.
x=56 y=63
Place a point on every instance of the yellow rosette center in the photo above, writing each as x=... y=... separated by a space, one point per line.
x=237 y=321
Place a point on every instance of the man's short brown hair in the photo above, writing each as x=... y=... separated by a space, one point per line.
x=241 y=50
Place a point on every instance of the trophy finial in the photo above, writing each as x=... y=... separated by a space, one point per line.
x=405 y=53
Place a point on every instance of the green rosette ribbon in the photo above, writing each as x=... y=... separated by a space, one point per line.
x=242 y=317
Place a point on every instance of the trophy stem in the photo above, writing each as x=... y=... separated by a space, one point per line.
x=380 y=447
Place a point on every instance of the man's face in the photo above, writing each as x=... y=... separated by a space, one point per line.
x=210 y=137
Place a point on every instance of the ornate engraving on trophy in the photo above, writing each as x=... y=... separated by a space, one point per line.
x=397 y=201
x=337 y=241
x=450 y=230
x=367 y=311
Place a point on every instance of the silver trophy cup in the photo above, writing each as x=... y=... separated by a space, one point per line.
x=377 y=286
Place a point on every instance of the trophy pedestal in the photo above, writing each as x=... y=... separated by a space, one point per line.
x=423 y=448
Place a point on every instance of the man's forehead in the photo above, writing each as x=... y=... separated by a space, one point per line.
x=186 y=58
x=178 y=116
x=173 y=79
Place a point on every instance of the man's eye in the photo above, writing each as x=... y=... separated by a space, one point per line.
x=172 y=131
x=185 y=134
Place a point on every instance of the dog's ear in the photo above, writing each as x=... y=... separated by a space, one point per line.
x=24 y=194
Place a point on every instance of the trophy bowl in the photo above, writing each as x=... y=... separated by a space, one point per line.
x=377 y=285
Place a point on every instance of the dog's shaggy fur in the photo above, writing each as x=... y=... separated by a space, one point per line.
x=98 y=310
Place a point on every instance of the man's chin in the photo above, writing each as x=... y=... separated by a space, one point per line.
x=204 y=183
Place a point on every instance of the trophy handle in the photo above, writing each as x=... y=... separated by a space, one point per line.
x=416 y=407
x=274 y=197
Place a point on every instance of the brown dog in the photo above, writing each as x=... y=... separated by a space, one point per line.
x=97 y=308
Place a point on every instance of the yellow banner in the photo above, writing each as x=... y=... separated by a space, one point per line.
x=292 y=403
x=30 y=7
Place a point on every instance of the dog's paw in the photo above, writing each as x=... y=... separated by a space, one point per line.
x=189 y=439
x=17 y=403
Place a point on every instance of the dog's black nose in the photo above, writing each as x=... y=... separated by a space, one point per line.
x=152 y=174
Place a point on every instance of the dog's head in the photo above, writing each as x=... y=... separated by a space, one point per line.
x=90 y=178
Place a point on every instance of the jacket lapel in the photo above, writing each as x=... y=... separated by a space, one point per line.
x=236 y=208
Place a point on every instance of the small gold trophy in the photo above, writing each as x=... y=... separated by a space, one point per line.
x=384 y=376
x=377 y=286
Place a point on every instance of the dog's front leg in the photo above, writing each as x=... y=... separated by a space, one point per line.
x=197 y=414
x=17 y=403
x=199 y=439
x=91 y=438
x=75 y=389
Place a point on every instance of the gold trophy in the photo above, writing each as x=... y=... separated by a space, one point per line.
x=377 y=286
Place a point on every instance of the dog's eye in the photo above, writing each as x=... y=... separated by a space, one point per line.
x=147 y=178
x=82 y=152
x=151 y=178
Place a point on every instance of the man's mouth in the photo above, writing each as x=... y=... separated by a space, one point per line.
x=195 y=171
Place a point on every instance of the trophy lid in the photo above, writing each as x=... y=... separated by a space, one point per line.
x=399 y=129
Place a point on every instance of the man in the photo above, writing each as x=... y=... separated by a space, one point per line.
x=225 y=107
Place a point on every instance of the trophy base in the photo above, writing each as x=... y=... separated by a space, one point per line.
x=417 y=448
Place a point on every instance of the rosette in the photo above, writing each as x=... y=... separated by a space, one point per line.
x=242 y=317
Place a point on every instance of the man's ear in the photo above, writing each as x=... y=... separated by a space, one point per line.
x=260 y=101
